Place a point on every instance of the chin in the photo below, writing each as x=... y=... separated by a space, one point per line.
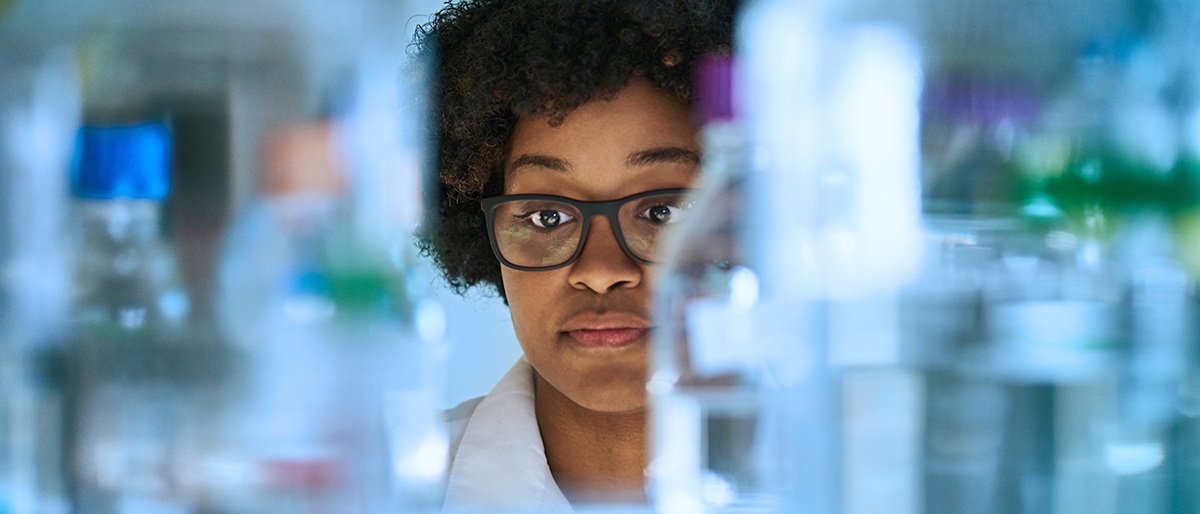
x=615 y=400
x=613 y=387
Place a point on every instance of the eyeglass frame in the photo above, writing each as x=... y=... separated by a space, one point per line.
x=609 y=209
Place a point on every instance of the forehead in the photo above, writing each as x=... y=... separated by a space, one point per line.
x=590 y=152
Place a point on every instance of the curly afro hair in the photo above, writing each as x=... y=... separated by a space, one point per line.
x=497 y=60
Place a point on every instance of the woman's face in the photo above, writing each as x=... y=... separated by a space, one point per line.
x=585 y=327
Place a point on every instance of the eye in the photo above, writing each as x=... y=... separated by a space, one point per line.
x=664 y=214
x=548 y=218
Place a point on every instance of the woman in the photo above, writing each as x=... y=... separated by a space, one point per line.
x=545 y=104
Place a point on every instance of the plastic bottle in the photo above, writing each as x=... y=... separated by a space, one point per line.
x=341 y=387
x=130 y=370
x=719 y=441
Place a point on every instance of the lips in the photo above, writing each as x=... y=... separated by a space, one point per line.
x=607 y=330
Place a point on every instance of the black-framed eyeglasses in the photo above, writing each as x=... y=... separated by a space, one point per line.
x=545 y=232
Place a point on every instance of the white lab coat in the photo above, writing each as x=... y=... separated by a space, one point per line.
x=498 y=463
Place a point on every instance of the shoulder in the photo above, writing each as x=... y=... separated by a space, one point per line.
x=462 y=411
x=510 y=401
x=455 y=421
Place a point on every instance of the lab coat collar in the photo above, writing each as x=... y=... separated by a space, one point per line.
x=500 y=465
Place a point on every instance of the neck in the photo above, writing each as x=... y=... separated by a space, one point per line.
x=595 y=457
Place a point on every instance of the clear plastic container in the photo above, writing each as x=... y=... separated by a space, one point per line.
x=344 y=360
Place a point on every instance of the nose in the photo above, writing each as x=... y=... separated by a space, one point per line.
x=602 y=265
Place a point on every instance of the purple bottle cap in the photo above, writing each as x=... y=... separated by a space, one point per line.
x=715 y=88
x=981 y=100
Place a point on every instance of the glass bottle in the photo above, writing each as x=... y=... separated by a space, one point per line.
x=719 y=442
x=130 y=368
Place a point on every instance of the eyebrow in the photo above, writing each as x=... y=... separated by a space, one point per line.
x=541 y=161
x=666 y=154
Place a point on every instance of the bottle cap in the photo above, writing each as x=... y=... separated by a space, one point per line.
x=302 y=158
x=127 y=161
x=715 y=88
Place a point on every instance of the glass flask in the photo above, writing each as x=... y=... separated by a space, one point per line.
x=717 y=444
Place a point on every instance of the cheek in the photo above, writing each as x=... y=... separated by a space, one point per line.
x=530 y=300
x=515 y=295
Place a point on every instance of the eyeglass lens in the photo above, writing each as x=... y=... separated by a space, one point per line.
x=542 y=233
